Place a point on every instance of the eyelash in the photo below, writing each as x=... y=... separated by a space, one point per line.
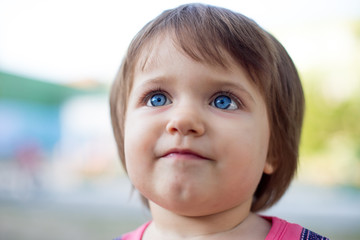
x=147 y=95
x=231 y=95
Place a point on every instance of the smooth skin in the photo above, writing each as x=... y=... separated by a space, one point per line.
x=196 y=142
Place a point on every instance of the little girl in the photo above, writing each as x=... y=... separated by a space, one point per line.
x=207 y=111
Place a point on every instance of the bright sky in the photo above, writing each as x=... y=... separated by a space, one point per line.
x=69 y=40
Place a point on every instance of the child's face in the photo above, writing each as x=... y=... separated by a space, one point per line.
x=196 y=136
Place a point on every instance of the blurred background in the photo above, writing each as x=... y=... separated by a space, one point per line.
x=60 y=176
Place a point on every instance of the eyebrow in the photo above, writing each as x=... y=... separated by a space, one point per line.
x=149 y=83
x=218 y=83
x=153 y=81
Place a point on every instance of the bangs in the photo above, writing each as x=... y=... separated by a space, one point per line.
x=214 y=36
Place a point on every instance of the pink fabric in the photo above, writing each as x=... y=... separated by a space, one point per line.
x=137 y=234
x=280 y=229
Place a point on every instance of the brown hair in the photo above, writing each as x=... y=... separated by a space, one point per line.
x=204 y=33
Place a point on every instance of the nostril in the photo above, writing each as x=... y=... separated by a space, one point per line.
x=185 y=126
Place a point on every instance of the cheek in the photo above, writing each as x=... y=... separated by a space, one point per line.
x=246 y=150
x=133 y=139
x=134 y=150
x=132 y=143
x=247 y=142
x=140 y=138
x=137 y=131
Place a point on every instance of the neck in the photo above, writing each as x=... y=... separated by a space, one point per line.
x=229 y=224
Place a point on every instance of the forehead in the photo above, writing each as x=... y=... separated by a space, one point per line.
x=148 y=57
x=216 y=56
x=166 y=61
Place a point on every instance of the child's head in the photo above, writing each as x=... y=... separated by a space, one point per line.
x=222 y=39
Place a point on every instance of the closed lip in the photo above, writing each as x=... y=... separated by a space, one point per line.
x=186 y=153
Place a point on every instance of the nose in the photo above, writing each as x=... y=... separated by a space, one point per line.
x=186 y=121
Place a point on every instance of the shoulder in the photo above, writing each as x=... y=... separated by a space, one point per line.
x=281 y=229
x=136 y=234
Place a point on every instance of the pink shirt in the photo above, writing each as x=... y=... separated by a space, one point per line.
x=280 y=229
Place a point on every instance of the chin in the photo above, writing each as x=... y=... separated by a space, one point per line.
x=188 y=207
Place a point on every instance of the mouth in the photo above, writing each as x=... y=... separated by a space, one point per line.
x=184 y=154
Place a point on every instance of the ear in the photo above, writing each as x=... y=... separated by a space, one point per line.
x=269 y=167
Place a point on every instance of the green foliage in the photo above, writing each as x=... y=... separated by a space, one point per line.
x=330 y=144
x=326 y=118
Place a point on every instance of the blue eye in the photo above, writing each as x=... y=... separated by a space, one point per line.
x=158 y=100
x=224 y=102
